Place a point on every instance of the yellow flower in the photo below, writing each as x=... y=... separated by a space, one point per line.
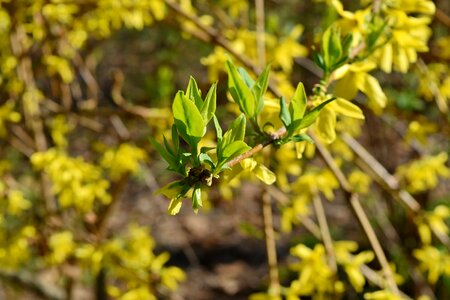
x=355 y=77
x=61 y=245
x=423 y=174
x=433 y=261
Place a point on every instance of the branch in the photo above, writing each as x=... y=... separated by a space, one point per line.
x=269 y=236
x=272 y=138
x=388 y=182
x=353 y=200
x=325 y=232
x=27 y=282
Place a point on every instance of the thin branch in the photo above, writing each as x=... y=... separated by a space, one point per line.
x=260 y=33
x=355 y=203
x=269 y=236
x=325 y=231
x=272 y=138
x=442 y=17
x=28 y=283
x=388 y=182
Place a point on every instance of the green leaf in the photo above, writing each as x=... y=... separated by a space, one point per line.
x=234 y=149
x=205 y=158
x=193 y=93
x=196 y=199
x=297 y=106
x=318 y=59
x=284 y=115
x=236 y=132
x=187 y=116
x=335 y=47
x=302 y=137
x=260 y=88
x=311 y=116
x=168 y=157
x=218 y=129
x=175 y=138
x=246 y=77
x=168 y=147
x=209 y=106
x=240 y=92
x=325 y=48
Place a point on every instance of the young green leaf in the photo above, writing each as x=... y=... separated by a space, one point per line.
x=311 y=116
x=246 y=77
x=234 y=149
x=260 y=88
x=196 y=199
x=236 y=132
x=193 y=93
x=240 y=92
x=175 y=138
x=302 y=137
x=168 y=157
x=205 y=158
x=318 y=59
x=284 y=115
x=209 y=106
x=297 y=106
x=187 y=116
x=218 y=129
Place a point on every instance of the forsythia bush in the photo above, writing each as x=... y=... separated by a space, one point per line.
x=300 y=106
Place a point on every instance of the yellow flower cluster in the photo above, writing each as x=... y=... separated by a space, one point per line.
x=409 y=33
x=15 y=250
x=7 y=114
x=124 y=159
x=433 y=220
x=315 y=275
x=133 y=268
x=435 y=84
x=423 y=174
x=77 y=183
x=434 y=261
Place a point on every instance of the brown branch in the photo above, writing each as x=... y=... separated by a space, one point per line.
x=30 y=284
x=272 y=138
x=353 y=199
x=388 y=182
x=314 y=229
x=269 y=236
x=442 y=17
x=325 y=232
x=260 y=33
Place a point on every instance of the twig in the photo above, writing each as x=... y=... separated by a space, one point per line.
x=272 y=138
x=442 y=17
x=353 y=199
x=30 y=284
x=314 y=229
x=325 y=232
x=104 y=216
x=274 y=286
x=388 y=182
x=260 y=33
x=31 y=109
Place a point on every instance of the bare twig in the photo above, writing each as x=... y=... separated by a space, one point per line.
x=325 y=231
x=260 y=33
x=27 y=282
x=388 y=182
x=273 y=137
x=442 y=17
x=355 y=203
x=274 y=286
